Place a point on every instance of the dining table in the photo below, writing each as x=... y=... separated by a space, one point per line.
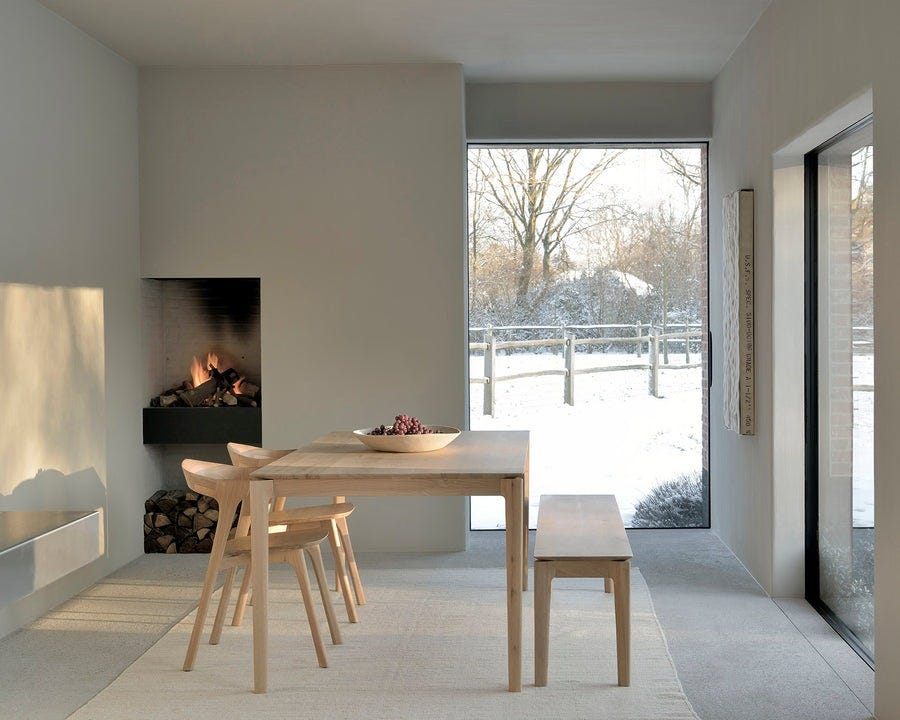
x=479 y=462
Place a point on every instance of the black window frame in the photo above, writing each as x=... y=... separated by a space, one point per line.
x=811 y=388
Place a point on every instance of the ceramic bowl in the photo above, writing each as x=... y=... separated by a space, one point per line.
x=441 y=437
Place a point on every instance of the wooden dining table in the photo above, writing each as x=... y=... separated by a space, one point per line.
x=476 y=463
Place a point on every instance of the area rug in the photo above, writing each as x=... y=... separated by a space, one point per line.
x=431 y=644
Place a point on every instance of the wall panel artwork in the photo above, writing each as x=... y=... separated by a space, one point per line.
x=737 y=285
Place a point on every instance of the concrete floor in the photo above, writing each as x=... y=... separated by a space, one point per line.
x=739 y=654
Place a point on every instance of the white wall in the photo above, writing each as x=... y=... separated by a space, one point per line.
x=497 y=112
x=69 y=294
x=803 y=62
x=342 y=188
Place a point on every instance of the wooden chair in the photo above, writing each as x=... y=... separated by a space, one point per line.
x=335 y=515
x=229 y=486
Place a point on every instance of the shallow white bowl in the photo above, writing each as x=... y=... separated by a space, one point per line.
x=442 y=436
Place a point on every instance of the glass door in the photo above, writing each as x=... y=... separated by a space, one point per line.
x=840 y=384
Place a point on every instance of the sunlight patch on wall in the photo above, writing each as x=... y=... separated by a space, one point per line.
x=52 y=414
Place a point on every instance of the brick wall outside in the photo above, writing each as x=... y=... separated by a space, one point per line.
x=835 y=375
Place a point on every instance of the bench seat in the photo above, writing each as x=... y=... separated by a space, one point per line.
x=581 y=536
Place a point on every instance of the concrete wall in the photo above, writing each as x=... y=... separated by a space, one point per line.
x=804 y=71
x=343 y=190
x=589 y=112
x=69 y=294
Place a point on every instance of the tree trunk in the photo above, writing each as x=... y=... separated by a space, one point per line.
x=523 y=282
x=529 y=235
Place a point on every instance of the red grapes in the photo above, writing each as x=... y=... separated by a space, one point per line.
x=403 y=425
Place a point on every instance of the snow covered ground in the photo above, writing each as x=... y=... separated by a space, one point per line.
x=617 y=438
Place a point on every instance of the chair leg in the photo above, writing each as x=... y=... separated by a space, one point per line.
x=226 y=510
x=223 y=607
x=333 y=538
x=337 y=500
x=315 y=554
x=351 y=562
x=279 y=504
x=608 y=585
x=299 y=564
x=243 y=595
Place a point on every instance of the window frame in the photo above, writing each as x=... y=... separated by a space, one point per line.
x=706 y=472
x=811 y=389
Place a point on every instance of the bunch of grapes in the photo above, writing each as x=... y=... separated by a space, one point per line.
x=403 y=425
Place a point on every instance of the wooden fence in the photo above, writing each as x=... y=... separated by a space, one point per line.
x=656 y=341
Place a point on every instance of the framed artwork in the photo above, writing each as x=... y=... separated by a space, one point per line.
x=737 y=284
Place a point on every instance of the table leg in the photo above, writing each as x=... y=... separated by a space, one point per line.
x=622 y=600
x=261 y=492
x=525 y=510
x=513 y=493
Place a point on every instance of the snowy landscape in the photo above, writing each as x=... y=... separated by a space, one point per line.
x=616 y=439
x=863 y=443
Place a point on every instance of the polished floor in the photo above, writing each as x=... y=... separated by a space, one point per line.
x=739 y=654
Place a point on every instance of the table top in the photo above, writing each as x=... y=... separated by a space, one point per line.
x=481 y=454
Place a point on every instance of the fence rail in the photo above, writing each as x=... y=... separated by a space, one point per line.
x=657 y=343
x=655 y=340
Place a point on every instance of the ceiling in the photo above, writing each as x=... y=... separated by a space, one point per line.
x=494 y=40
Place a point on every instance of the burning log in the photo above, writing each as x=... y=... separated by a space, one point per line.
x=249 y=389
x=195 y=396
x=210 y=387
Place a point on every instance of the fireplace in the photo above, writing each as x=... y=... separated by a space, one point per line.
x=203 y=377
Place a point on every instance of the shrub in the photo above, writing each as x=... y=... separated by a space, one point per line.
x=676 y=503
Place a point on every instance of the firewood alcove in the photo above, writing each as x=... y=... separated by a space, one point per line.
x=203 y=388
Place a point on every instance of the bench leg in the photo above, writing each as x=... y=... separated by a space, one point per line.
x=622 y=580
x=543 y=577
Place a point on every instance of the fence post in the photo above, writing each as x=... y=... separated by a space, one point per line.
x=653 y=380
x=640 y=343
x=569 y=377
x=490 y=354
x=687 y=344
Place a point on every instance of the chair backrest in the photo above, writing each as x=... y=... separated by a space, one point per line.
x=252 y=457
x=226 y=483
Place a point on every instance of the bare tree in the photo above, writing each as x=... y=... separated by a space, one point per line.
x=861 y=234
x=688 y=173
x=540 y=191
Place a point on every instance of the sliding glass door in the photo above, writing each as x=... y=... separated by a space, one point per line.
x=840 y=384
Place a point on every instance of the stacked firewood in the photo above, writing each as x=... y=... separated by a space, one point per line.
x=180 y=521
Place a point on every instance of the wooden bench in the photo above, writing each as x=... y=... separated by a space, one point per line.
x=581 y=536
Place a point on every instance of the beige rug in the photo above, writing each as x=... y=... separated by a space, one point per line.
x=431 y=644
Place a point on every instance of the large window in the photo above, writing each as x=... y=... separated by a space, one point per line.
x=840 y=384
x=587 y=321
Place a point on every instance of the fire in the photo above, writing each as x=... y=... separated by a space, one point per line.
x=200 y=372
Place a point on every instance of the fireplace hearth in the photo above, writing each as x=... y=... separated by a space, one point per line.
x=204 y=370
